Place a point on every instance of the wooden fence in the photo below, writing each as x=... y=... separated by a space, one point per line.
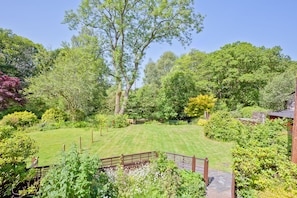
x=183 y=162
x=191 y=163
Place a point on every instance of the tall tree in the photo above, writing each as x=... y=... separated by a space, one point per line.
x=239 y=70
x=177 y=88
x=17 y=55
x=279 y=91
x=155 y=71
x=76 y=81
x=128 y=28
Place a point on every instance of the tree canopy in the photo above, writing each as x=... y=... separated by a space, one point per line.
x=76 y=82
x=128 y=28
x=239 y=70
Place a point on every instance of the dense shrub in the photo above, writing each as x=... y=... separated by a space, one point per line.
x=5 y=131
x=247 y=112
x=116 y=121
x=261 y=160
x=77 y=115
x=222 y=126
x=120 y=121
x=15 y=148
x=54 y=115
x=192 y=184
x=76 y=176
x=202 y=122
x=160 y=178
x=19 y=119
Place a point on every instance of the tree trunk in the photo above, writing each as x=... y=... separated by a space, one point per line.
x=126 y=97
x=118 y=98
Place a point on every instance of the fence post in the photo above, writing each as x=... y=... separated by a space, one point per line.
x=205 y=174
x=122 y=160
x=233 y=193
x=92 y=136
x=194 y=164
x=80 y=144
x=64 y=147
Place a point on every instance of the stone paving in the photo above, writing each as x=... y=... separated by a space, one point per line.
x=220 y=184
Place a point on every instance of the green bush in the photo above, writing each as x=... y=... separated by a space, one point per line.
x=54 y=115
x=222 y=126
x=261 y=160
x=202 y=122
x=160 y=178
x=115 y=121
x=20 y=119
x=192 y=184
x=247 y=112
x=76 y=176
x=77 y=115
x=120 y=121
x=5 y=131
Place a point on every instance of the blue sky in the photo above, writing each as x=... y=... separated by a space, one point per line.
x=260 y=22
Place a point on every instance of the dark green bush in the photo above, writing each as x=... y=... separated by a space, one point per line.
x=20 y=119
x=222 y=126
x=54 y=115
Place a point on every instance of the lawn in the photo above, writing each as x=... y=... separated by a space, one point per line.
x=181 y=139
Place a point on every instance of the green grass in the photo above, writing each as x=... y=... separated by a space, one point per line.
x=181 y=139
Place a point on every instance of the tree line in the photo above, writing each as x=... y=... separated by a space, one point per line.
x=76 y=79
x=96 y=70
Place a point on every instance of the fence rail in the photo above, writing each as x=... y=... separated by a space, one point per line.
x=183 y=162
x=191 y=163
x=133 y=160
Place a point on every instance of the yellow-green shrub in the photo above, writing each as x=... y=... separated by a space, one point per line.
x=19 y=119
x=202 y=122
x=54 y=115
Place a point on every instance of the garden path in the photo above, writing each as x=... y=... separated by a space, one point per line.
x=220 y=184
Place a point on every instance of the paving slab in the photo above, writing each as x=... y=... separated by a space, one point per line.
x=220 y=184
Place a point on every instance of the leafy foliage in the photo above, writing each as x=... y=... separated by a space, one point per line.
x=155 y=71
x=160 y=178
x=54 y=115
x=279 y=91
x=200 y=104
x=15 y=148
x=247 y=112
x=20 y=119
x=76 y=176
x=177 y=88
x=128 y=28
x=222 y=126
x=144 y=102
x=116 y=121
x=17 y=55
x=9 y=91
x=239 y=70
x=75 y=84
x=261 y=160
